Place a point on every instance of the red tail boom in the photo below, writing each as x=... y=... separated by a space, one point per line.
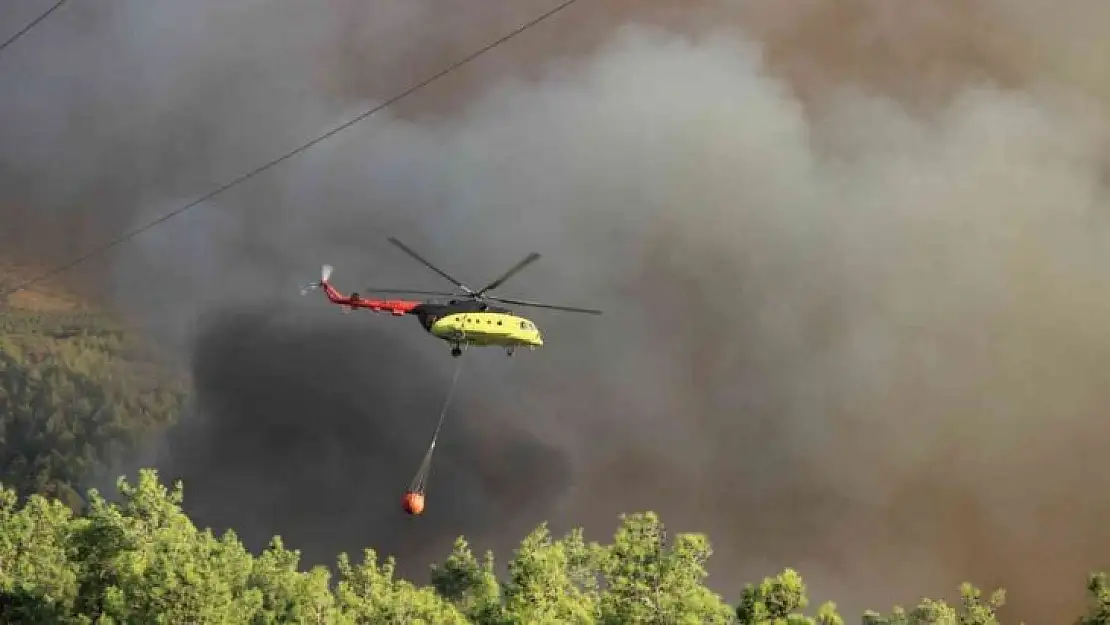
x=397 y=307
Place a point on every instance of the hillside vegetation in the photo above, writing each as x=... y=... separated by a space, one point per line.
x=76 y=395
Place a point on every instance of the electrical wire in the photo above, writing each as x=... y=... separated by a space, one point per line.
x=35 y=22
x=243 y=178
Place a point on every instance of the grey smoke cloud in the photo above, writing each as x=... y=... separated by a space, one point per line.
x=854 y=318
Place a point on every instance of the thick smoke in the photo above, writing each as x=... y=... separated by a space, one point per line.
x=853 y=265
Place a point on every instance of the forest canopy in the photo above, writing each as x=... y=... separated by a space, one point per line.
x=141 y=560
x=77 y=395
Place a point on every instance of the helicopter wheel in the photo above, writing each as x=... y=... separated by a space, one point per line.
x=509 y=351
x=456 y=351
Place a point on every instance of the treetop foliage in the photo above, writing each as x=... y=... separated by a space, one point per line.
x=141 y=560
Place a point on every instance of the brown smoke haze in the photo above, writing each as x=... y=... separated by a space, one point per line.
x=853 y=258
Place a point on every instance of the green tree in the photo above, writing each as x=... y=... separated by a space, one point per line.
x=1098 y=601
x=897 y=617
x=38 y=579
x=289 y=596
x=470 y=586
x=647 y=581
x=368 y=593
x=779 y=600
x=973 y=610
x=146 y=562
x=552 y=581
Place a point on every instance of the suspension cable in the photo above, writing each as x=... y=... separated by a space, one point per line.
x=419 y=482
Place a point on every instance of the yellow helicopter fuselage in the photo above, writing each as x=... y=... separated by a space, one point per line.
x=480 y=328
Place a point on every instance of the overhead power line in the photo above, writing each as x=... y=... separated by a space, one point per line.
x=123 y=238
x=35 y=22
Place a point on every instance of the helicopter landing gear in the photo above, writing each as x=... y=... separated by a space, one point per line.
x=458 y=348
x=509 y=351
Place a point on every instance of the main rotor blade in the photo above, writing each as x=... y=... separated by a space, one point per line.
x=518 y=302
x=409 y=292
x=429 y=265
x=528 y=260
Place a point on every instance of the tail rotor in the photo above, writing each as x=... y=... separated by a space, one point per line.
x=325 y=275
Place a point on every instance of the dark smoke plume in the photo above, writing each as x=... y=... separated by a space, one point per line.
x=326 y=456
x=853 y=260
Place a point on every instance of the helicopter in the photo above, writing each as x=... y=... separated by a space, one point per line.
x=468 y=318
